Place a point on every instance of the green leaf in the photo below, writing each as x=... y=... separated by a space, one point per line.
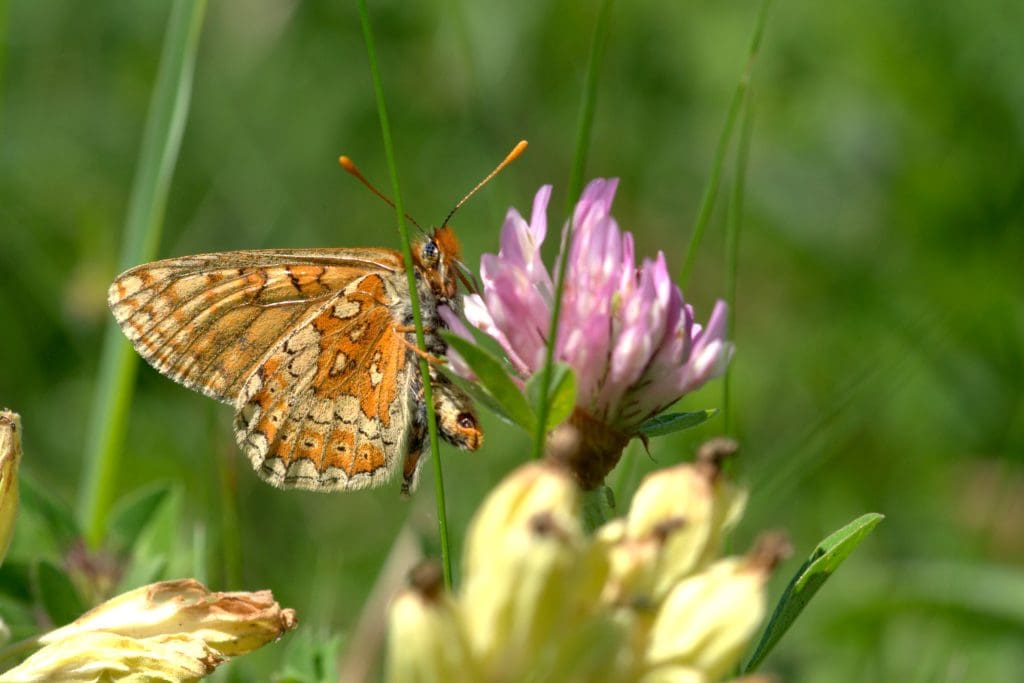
x=492 y=376
x=156 y=544
x=666 y=423
x=132 y=513
x=16 y=580
x=561 y=399
x=310 y=658
x=58 y=520
x=57 y=593
x=825 y=559
x=475 y=392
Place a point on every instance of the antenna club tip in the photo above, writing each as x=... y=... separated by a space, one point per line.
x=346 y=163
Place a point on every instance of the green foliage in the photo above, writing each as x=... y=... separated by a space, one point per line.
x=507 y=399
x=813 y=573
x=57 y=594
x=879 y=343
x=560 y=399
x=666 y=423
x=310 y=657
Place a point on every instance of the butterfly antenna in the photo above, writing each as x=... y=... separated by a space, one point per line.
x=349 y=166
x=512 y=156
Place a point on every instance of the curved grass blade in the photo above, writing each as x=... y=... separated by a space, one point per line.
x=587 y=104
x=733 y=225
x=707 y=202
x=825 y=559
x=158 y=154
x=403 y=231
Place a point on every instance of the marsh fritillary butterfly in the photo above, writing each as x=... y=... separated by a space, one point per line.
x=314 y=348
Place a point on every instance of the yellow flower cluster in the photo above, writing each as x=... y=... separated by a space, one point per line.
x=643 y=600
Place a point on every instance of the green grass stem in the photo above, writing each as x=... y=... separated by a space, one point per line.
x=733 y=226
x=583 y=129
x=707 y=203
x=158 y=154
x=389 y=152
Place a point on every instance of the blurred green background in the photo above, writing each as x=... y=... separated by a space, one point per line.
x=880 y=333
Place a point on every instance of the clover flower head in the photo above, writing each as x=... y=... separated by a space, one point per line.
x=624 y=329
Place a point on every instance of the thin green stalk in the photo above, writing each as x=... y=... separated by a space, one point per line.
x=711 y=191
x=585 y=124
x=161 y=141
x=733 y=225
x=3 y=47
x=230 y=545
x=389 y=152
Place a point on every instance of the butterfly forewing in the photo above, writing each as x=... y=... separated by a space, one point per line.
x=207 y=321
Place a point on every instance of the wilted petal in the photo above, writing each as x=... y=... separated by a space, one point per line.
x=98 y=656
x=231 y=623
x=10 y=459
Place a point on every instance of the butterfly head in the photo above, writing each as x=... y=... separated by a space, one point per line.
x=438 y=258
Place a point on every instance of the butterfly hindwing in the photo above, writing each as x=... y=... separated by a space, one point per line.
x=329 y=408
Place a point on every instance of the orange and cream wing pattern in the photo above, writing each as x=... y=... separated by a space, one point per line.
x=330 y=406
x=207 y=321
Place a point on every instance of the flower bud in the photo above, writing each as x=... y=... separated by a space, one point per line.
x=675 y=674
x=686 y=509
x=94 y=656
x=230 y=623
x=706 y=620
x=525 y=560
x=428 y=645
x=10 y=458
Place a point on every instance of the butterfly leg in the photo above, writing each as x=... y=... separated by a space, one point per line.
x=426 y=355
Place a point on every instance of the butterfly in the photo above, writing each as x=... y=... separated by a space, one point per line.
x=314 y=348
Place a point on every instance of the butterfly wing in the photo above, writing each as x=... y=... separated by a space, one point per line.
x=208 y=321
x=330 y=407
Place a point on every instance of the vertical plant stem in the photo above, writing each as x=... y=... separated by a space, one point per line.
x=733 y=225
x=161 y=141
x=230 y=532
x=389 y=152
x=586 y=119
x=711 y=190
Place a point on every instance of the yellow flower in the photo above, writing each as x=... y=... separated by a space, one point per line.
x=685 y=511
x=95 y=656
x=10 y=458
x=644 y=600
x=425 y=623
x=230 y=623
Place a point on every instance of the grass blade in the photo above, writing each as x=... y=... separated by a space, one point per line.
x=161 y=141
x=586 y=120
x=708 y=200
x=733 y=225
x=389 y=152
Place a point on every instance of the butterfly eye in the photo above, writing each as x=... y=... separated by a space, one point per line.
x=466 y=421
x=429 y=254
